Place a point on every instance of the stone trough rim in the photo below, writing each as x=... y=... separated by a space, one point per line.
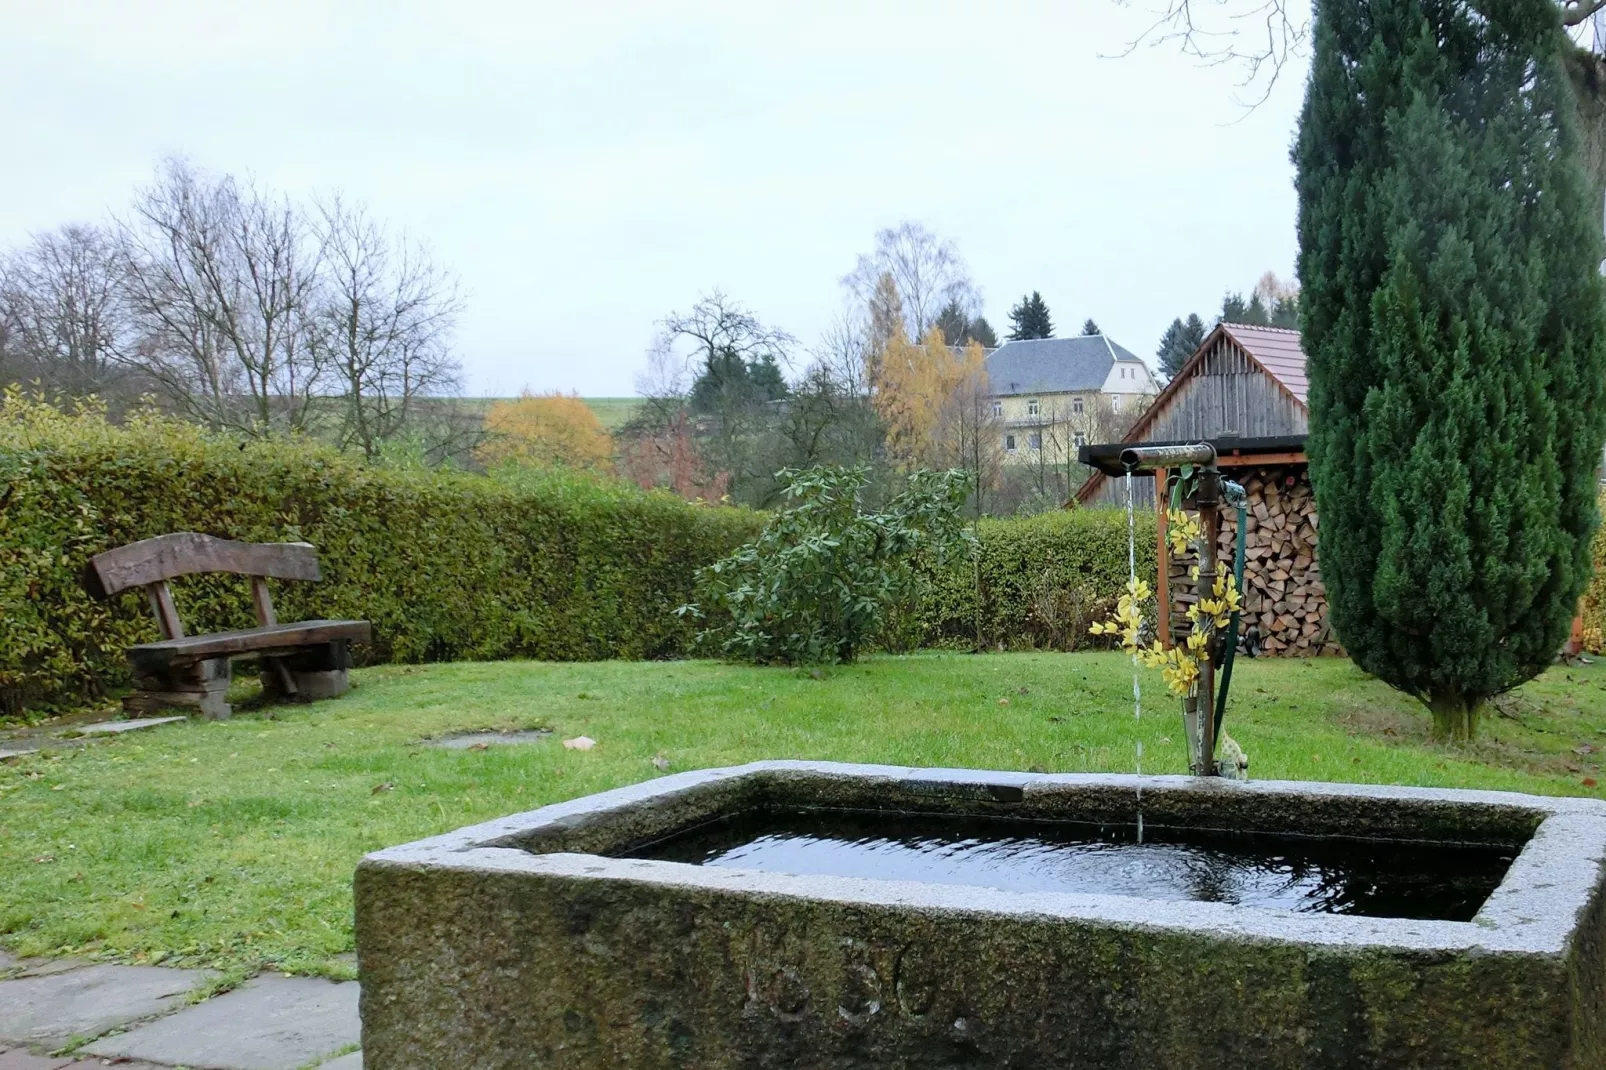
x=1536 y=909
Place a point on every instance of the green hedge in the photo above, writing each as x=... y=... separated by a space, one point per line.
x=1042 y=580
x=445 y=565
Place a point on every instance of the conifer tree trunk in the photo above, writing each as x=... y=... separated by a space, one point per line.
x=1453 y=316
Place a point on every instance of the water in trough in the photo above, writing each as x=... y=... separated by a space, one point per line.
x=1333 y=875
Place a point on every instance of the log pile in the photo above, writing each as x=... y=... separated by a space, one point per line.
x=1285 y=603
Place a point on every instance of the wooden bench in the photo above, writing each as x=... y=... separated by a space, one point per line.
x=307 y=660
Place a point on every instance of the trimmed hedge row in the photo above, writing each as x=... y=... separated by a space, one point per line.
x=1042 y=579
x=447 y=566
x=1594 y=607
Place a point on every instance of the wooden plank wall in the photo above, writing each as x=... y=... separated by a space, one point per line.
x=1227 y=396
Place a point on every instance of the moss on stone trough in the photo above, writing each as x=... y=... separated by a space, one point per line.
x=528 y=942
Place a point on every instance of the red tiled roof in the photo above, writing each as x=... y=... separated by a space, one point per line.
x=1278 y=351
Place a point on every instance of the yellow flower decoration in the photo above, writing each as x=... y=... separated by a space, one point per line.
x=1179 y=666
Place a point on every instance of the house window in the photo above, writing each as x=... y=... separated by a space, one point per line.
x=1079 y=439
x=1009 y=443
x=1076 y=405
x=998 y=408
x=1115 y=402
x=1031 y=407
x=1034 y=440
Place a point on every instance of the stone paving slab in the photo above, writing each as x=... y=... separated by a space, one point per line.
x=21 y=1059
x=17 y=1059
x=269 y=1023
x=53 y=1008
x=7 y=754
x=352 y=1061
x=483 y=740
x=111 y=728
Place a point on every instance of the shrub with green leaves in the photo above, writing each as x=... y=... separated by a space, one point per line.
x=817 y=583
x=446 y=565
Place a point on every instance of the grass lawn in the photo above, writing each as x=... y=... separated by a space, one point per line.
x=232 y=843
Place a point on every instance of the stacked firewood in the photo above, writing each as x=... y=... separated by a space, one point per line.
x=1285 y=603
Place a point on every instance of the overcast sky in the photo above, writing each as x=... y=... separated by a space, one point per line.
x=585 y=168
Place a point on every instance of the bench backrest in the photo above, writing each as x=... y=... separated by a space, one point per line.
x=150 y=563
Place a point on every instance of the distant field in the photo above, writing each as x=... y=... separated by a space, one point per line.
x=613 y=412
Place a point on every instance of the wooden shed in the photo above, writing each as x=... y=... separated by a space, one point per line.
x=1244 y=391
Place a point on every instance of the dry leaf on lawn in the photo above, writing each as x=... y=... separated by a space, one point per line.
x=579 y=743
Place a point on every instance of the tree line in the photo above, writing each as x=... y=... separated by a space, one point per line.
x=242 y=309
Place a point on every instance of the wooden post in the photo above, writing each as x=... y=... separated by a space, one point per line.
x=1162 y=578
x=1208 y=499
x=262 y=599
x=161 y=599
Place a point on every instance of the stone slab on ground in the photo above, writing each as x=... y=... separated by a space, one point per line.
x=53 y=1008
x=5 y=754
x=269 y=1023
x=484 y=740
x=107 y=728
x=21 y=1059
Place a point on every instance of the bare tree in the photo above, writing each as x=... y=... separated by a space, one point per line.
x=927 y=271
x=381 y=331
x=62 y=311
x=843 y=354
x=1261 y=36
x=219 y=281
x=715 y=327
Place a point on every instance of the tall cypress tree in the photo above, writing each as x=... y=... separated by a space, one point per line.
x=1030 y=317
x=1453 y=316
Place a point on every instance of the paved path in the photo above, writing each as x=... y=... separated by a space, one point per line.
x=139 y=1018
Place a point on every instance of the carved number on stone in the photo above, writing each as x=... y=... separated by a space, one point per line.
x=861 y=994
x=912 y=982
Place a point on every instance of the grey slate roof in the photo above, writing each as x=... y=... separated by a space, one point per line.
x=1052 y=365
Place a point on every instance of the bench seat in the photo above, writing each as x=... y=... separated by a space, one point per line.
x=275 y=639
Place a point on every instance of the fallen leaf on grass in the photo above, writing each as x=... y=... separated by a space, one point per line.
x=1003 y=701
x=1591 y=782
x=579 y=743
x=479 y=746
x=1584 y=749
x=386 y=786
x=660 y=763
x=45 y=858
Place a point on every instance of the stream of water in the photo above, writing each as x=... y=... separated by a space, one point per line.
x=1137 y=686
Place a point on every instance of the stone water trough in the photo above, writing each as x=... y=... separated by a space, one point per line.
x=792 y=914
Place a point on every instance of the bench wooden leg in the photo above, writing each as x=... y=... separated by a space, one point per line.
x=202 y=686
x=317 y=672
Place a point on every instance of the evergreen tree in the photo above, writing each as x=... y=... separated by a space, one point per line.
x=981 y=332
x=1453 y=317
x=1255 y=313
x=953 y=323
x=1232 y=308
x=728 y=381
x=1178 y=343
x=1285 y=313
x=1030 y=318
x=1090 y=328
